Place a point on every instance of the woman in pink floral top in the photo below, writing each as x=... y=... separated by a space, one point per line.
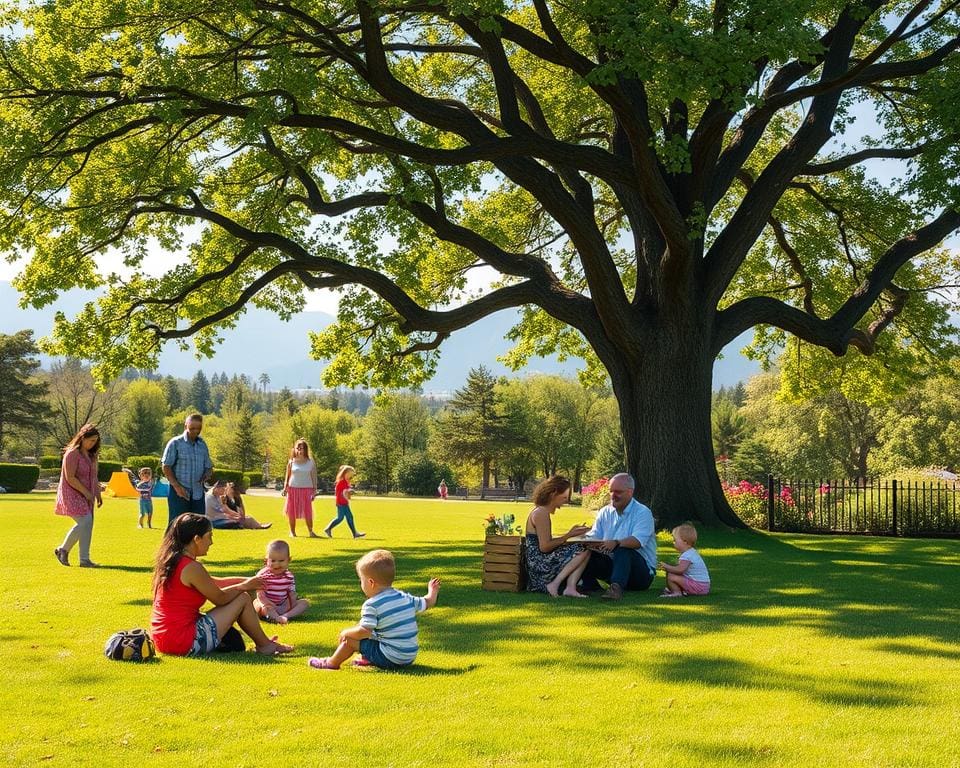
x=77 y=492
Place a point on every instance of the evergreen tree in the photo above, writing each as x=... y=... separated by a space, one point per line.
x=200 y=392
x=22 y=397
x=285 y=403
x=473 y=429
x=173 y=394
x=729 y=425
x=243 y=445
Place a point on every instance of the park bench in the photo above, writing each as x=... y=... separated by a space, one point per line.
x=500 y=494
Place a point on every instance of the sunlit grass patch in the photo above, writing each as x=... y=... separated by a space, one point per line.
x=834 y=651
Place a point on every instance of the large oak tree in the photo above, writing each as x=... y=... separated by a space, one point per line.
x=647 y=180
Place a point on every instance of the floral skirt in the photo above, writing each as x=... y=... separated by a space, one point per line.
x=543 y=567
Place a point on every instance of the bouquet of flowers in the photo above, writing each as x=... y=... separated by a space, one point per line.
x=501 y=526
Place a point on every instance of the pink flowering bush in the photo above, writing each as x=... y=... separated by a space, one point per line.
x=749 y=501
x=596 y=494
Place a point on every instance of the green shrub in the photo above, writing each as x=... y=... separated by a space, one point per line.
x=419 y=475
x=135 y=462
x=253 y=479
x=107 y=468
x=19 y=478
x=50 y=462
x=230 y=476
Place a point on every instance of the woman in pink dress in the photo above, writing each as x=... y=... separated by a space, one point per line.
x=300 y=486
x=77 y=492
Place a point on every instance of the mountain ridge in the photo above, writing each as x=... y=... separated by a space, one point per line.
x=281 y=348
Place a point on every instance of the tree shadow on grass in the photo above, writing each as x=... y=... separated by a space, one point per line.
x=736 y=674
x=719 y=751
x=845 y=587
x=849 y=587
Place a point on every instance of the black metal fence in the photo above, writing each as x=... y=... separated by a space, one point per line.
x=871 y=507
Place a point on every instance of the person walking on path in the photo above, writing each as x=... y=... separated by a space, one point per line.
x=77 y=492
x=186 y=465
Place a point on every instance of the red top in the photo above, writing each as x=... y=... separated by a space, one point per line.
x=342 y=486
x=176 y=608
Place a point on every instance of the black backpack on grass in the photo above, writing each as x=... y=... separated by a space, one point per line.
x=129 y=645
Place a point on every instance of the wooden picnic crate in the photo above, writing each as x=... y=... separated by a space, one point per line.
x=503 y=569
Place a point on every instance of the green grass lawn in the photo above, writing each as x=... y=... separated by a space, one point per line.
x=811 y=651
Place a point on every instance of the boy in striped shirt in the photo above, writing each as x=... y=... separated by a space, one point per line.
x=386 y=636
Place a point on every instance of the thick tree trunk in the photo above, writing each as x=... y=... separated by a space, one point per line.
x=665 y=399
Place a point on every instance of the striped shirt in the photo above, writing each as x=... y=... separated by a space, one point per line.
x=391 y=617
x=277 y=586
x=190 y=462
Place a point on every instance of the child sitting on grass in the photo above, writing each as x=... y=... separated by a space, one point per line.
x=689 y=576
x=386 y=636
x=278 y=601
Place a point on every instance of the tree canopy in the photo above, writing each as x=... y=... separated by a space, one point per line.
x=647 y=180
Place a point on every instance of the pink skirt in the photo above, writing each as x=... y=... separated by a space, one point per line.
x=692 y=587
x=299 y=504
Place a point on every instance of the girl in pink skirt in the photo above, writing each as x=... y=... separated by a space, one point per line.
x=300 y=486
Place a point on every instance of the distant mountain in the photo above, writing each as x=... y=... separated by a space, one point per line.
x=263 y=343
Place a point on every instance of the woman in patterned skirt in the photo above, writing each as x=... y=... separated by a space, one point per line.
x=77 y=492
x=550 y=559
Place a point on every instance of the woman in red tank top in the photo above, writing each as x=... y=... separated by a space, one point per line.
x=181 y=585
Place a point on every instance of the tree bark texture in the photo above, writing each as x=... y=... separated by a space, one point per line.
x=663 y=383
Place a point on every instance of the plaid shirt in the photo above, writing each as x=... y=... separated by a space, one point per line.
x=190 y=462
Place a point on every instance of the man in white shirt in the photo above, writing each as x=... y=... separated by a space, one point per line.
x=625 y=554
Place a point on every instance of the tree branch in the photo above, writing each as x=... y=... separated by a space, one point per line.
x=839 y=331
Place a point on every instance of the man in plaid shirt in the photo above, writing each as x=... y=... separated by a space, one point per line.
x=186 y=465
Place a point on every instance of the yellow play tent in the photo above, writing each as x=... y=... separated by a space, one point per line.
x=120 y=485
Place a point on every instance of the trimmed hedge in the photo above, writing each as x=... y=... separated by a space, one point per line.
x=50 y=462
x=135 y=462
x=251 y=479
x=19 y=478
x=230 y=476
x=107 y=468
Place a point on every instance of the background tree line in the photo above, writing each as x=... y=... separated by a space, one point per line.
x=492 y=430
x=792 y=421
